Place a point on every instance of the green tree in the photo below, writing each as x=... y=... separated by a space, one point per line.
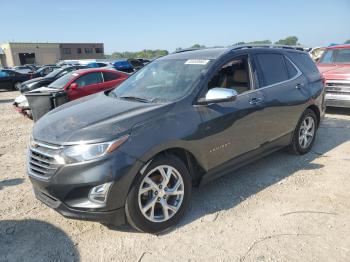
x=290 y=40
x=197 y=46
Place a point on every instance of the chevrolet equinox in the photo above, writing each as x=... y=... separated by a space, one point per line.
x=132 y=155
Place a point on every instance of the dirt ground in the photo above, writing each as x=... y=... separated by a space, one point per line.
x=281 y=208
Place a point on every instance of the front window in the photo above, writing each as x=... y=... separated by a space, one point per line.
x=341 y=55
x=62 y=81
x=162 y=80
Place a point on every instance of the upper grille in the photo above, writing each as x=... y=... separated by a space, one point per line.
x=41 y=161
x=338 y=87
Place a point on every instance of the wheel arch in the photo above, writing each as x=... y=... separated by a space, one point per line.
x=317 y=113
x=191 y=162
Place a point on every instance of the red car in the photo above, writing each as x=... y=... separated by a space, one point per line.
x=334 y=64
x=88 y=81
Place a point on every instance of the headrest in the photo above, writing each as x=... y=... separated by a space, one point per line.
x=240 y=76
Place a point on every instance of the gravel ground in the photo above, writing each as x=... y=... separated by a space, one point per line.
x=281 y=208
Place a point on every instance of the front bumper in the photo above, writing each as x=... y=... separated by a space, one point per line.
x=115 y=217
x=337 y=100
x=67 y=190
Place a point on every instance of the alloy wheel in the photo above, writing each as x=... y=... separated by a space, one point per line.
x=306 y=132
x=161 y=193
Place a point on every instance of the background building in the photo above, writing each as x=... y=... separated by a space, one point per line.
x=14 y=54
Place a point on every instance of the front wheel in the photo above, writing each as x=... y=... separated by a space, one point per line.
x=159 y=197
x=305 y=133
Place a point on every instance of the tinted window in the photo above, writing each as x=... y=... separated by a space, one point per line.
x=304 y=62
x=273 y=68
x=291 y=69
x=109 y=76
x=89 y=79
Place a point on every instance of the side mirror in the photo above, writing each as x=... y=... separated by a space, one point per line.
x=73 y=86
x=218 y=95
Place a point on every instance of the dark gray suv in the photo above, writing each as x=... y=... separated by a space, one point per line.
x=133 y=154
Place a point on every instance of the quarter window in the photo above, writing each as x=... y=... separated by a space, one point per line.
x=89 y=79
x=273 y=68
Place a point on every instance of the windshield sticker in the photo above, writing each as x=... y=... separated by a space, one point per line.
x=196 y=62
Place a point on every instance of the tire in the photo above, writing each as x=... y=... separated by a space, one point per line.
x=159 y=194
x=16 y=86
x=299 y=146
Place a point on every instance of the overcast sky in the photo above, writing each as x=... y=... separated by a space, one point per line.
x=155 y=24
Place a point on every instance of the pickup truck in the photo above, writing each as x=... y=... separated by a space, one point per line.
x=334 y=65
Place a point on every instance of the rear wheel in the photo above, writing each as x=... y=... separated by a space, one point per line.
x=305 y=133
x=160 y=196
x=17 y=86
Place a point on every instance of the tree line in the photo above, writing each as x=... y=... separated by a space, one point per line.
x=148 y=53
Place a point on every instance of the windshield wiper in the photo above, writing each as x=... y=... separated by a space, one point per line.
x=139 y=99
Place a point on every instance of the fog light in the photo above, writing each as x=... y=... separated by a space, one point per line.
x=98 y=194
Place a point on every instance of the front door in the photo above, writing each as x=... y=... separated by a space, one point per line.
x=230 y=129
x=88 y=84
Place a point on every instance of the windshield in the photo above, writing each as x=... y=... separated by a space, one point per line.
x=54 y=73
x=336 y=56
x=62 y=81
x=162 y=80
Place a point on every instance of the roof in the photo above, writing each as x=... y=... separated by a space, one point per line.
x=338 y=46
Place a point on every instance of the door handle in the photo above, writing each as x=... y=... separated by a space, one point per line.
x=298 y=86
x=255 y=101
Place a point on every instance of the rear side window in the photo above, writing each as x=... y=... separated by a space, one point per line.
x=273 y=68
x=108 y=76
x=304 y=62
x=89 y=79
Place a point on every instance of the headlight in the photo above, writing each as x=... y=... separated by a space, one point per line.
x=86 y=152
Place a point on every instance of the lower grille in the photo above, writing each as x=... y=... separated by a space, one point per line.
x=41 y=160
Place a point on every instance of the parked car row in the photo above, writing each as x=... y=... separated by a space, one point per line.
x=70 y=82
x=131 y=155
x=10 y=78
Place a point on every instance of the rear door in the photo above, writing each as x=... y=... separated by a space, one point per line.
x=285 y=93
x=88 y=84
x=112 y=79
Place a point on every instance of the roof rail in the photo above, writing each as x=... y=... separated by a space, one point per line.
x=300 y=48
x=186 y=50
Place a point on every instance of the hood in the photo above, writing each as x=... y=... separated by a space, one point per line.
x=92 y=119
x=335 y=71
